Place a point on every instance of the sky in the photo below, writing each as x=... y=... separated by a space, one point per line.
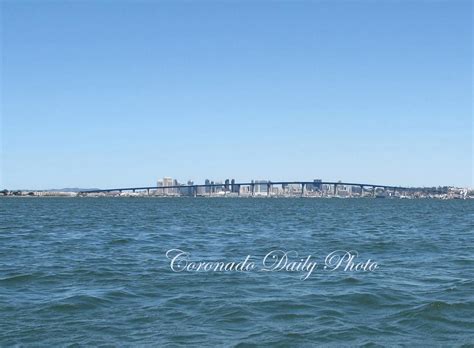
x=118 y=93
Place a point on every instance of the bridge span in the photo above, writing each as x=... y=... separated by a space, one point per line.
x=235 y=187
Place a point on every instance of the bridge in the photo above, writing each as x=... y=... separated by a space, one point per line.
x=235 y=187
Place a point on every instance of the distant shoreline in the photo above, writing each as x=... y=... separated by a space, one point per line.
x=231 y=197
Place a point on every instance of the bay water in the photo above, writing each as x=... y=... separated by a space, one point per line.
x=95 y=271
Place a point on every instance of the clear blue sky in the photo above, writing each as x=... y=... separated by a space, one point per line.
x=106 y=94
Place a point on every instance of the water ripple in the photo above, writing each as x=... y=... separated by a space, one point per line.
x=91 y=272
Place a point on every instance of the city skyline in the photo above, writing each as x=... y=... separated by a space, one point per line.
x=224 y=184
x=363 y=91
x=317 y=188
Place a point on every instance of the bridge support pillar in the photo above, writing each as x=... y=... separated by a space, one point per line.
x=253 y=189
x=303 y=190
x=335 y=189
x=269 y=189
x=147 y=192
x=362 y=190
x=373 y=191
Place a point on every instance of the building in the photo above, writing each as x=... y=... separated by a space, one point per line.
x=261 y=186
x=317 y=184
x=226 y=185
x=166 y=182
x=233 y=186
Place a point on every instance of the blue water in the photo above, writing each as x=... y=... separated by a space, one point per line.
x=93 y=271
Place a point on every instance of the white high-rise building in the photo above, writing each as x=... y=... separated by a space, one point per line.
x=167 y=181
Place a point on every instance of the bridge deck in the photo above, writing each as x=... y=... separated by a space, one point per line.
x=247 y=184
